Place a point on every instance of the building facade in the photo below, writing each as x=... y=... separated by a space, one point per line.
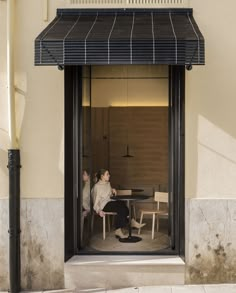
x=210 y=149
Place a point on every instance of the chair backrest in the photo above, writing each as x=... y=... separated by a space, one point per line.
x=160 y=197
x=124 y=192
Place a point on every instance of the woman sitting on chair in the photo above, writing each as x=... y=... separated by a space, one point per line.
x=102 y=193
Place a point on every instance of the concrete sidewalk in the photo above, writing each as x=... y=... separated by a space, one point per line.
x=218 y=288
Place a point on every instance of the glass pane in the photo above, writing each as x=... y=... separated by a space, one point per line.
x=129 y=137
x=86 y=156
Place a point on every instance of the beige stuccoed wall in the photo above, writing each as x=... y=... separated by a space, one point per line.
x=210 y=105
x=3 y=104
x=39 y=104
x=43 y=122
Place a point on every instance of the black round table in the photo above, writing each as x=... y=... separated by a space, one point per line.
x=128 y=198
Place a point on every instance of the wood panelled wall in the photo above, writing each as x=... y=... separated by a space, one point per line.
x=145 y=130
x=100 y=138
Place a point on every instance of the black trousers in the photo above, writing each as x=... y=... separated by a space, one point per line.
x=119 y=207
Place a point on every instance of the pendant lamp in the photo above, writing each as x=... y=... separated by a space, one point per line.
x=127 y=154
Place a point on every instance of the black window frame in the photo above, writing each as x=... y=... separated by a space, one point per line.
x=73 y=147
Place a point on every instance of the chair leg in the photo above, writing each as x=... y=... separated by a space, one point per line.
x=109 y=223
x=82 y=226
x=157 y=223
x=134 y=211
x=141 y=221
x=104 y=227
x=153 y=225
x=92 y=222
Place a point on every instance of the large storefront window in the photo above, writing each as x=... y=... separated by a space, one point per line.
x=125 y=131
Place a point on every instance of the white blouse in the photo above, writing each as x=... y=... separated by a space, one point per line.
x=101 y=193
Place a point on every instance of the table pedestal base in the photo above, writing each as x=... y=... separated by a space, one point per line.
x=130 y=239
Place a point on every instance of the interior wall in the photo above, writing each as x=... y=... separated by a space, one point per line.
x=125 y=85
x=145 y=131
x=100 y=138
x=129 y=106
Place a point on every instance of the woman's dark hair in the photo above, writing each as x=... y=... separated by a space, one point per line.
x=100 y=173
x=87 y=171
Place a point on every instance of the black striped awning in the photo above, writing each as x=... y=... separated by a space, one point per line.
x=161 y=36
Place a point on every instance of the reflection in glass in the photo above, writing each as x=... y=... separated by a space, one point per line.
x=86 y=156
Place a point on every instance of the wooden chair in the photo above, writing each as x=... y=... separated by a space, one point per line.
x=159 y=197
x=105 y=222
x=107 y=215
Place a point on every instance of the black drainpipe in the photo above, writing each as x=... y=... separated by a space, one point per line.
x=14 y=219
